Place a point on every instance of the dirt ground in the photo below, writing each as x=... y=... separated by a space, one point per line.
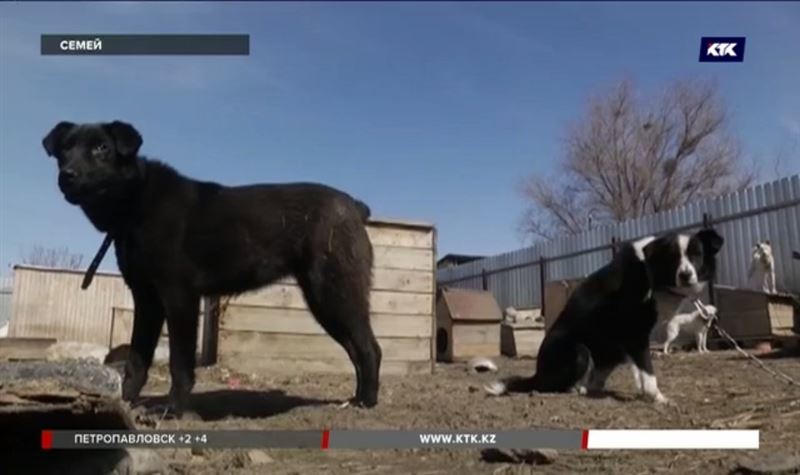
x=717 y=390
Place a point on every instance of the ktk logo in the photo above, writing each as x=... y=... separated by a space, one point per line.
x=721 y=49
x=729 y=49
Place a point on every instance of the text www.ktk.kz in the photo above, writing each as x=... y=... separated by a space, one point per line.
x=458 y=439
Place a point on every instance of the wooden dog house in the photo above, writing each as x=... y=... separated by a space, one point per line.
x=271 y=330
x=755 y=315
x=467 y=324
x=523 y=337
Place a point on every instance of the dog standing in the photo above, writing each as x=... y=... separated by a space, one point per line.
x=177 y=239
x=762 y=267
x=608 y=319
x=691 y=320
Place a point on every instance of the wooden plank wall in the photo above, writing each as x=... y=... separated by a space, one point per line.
x=49 y=303
x=272 y=330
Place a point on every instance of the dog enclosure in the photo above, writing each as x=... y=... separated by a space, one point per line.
x=545 y=274
x=467 y=324
x=271 y=330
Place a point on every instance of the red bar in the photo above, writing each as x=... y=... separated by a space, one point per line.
x=326 y=438
x=585 y=440
x=47 y=439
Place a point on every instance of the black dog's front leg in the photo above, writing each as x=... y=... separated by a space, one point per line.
x=183 y=309
x=643 y=373
x=148 y=319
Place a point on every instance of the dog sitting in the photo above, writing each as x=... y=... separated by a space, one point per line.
x=762 y=267
x=691 y=320
x=608 y=319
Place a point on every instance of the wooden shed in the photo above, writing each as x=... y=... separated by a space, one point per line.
x=467 y=324
x=755 y=315
x=272 y=330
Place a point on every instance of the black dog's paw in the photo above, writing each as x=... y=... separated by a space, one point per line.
x=360 y=403
x=131 y=388
x=367 y=401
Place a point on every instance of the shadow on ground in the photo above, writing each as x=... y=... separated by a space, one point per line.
x=219 y=404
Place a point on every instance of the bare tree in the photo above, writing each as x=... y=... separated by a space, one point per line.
x=627 y=158
x=786 y=153
x=47 y=257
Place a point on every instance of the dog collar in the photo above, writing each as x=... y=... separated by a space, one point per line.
x=101 y=253
x=98 y=258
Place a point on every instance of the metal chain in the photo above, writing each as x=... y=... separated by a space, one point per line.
x=776 y=373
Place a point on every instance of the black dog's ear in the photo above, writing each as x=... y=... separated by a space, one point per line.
x=126 y=138
x=651 y=248
x=712 y=241
x=52 y=141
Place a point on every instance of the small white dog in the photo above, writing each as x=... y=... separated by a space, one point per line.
x=691 y=322
x=510 y=315
x=762 y=267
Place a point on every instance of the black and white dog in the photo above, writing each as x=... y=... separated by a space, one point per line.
x=608 y=319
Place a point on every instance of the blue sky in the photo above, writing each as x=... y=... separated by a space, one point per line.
x=427 y=111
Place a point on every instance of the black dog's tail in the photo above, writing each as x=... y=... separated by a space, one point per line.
x=548 y=379
x=363 y=210
x=795 y=255
x=514 y=384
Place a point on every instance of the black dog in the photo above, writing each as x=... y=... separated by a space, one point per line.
x=608 y=318
x=177 y=239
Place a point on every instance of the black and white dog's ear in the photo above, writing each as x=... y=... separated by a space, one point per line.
x=52 y=141
x=712 y=241
x=126 y=138
x=652 y=248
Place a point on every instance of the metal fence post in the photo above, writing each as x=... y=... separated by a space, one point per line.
x=484 y=279
x=708 y=223
x=542 y=282
x=613 y=246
